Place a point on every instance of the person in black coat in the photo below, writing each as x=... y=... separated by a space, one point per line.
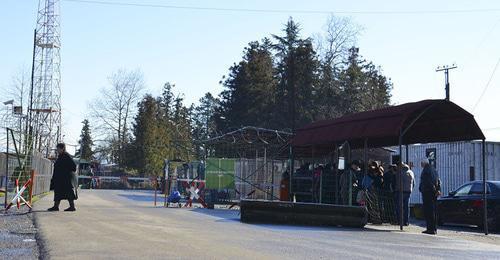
x=430 y=187
x=62 y=179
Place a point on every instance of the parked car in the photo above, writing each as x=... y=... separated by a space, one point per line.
x=465 y=205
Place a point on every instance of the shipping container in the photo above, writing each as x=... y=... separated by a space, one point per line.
x=456 y=163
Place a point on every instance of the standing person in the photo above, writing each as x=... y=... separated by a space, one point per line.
x=390 y=179
x=285 y=186
x=350 y=176
x=375 y=179
x=388 y=198
x=408 y=180
x=62 y=179
x=431 y=189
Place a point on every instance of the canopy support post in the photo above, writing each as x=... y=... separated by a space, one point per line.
x=407 y=161
x=485 y=201
x=365 y=156
x=336 y=170
x=347 y=167
x=290 y=186
x=400 y=181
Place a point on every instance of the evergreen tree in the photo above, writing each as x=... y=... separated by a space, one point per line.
x=297 y=71
x=249 y=95
x=149 y=147
x=182 y=142
x=362 y=86
x=203 y=122
x=86 y=142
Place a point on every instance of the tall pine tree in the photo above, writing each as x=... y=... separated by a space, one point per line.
x=297 y=66
x=149 y=146
x=86 y=142
x=362 y=86
x=203 y=122
x=248 y=99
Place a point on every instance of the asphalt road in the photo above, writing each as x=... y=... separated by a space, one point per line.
x=125 y=225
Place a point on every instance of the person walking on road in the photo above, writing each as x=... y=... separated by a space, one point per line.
x=408 y=183
x=62 y=181
x=430 y=187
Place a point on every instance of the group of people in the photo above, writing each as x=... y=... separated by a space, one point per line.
x=384 y=192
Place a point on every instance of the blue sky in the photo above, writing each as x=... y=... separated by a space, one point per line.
x=195 y=48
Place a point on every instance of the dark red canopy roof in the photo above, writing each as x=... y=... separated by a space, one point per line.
x=430 y=121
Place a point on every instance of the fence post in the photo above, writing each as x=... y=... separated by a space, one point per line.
x=7 y=170
x=32 y=185
x=156 y=187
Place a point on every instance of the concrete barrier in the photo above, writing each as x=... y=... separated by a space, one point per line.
x=260 y=211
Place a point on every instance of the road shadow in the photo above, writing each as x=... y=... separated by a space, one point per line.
x=456 y=227
x=223 y=215
x=147 y=198
x=227 y=215
x=139 y=197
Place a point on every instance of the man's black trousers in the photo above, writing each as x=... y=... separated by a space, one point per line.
x=430 y=207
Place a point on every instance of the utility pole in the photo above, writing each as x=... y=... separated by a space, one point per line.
x=446 y=68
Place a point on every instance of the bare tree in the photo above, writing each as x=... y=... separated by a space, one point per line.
x=340 y=34
x=20 y=87
x=15 y=94
x=114 y=108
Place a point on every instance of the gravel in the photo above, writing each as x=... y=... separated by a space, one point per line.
x=18 y=235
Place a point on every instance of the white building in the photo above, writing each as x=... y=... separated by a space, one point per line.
x=456 y=163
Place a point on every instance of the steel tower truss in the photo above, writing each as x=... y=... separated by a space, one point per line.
x=45 y=105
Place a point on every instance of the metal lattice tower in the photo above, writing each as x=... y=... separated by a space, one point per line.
x=45 y=107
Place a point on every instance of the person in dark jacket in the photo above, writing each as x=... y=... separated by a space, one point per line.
x=349 y=182
x=62 y=179
x=430 y=187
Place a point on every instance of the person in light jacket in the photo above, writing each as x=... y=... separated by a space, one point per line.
x=407 y=179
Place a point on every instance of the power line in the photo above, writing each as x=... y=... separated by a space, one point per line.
x=493 y=128
x=283 y=11
x=487 y=85
x=483 y=40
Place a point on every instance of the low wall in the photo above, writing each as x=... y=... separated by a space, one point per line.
x=260 y=211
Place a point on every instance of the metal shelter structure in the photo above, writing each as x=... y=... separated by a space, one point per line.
x=425 y=121
x=246 y=163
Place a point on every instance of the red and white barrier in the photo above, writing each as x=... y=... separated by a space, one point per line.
x=19 y=196
x=194 y=190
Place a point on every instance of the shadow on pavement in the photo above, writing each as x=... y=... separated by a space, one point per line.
x=137 y=197
x=455 y=227
x=223 y=215
x=226 y=215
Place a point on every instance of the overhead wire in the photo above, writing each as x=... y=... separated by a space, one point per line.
x=284 y=11
x=487 y=85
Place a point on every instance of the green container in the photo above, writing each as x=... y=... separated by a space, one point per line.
x=219 y=173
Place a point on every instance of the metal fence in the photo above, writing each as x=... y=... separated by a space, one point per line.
x=42 y=168
x=43 y=173
x=258 y=177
